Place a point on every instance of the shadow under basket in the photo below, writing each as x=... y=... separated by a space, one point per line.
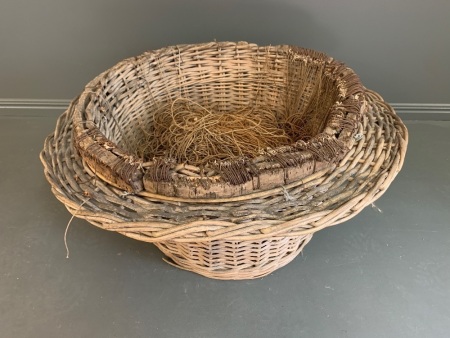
x=238 y=216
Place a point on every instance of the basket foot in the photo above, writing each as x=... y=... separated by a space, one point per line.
x=227 y=259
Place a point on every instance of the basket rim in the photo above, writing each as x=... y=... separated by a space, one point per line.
x=310 y=156
x=85 y=198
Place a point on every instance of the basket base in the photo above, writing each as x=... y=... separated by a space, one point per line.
x=226 y=259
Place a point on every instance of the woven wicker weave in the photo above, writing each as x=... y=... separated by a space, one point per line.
x=118 y=103
x=237 y=237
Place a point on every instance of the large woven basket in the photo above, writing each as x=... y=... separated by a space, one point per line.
x=241 y=218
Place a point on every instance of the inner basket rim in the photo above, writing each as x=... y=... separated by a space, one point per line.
x=120 y=168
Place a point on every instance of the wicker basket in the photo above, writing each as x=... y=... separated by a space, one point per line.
x=324 y=93
x=225 y=229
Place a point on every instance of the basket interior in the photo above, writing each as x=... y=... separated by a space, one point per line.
x=298 y=87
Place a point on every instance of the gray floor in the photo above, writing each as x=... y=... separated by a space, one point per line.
x=379 y=275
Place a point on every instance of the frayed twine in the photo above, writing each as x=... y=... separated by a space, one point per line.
x=358 y=137
x=125 y=194
x=68 y=224
x=287 y=197
x=376 y=208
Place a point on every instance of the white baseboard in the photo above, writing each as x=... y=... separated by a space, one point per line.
x=407 y=111
x=34 y=104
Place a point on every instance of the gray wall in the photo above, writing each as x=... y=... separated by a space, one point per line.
x=51 y=48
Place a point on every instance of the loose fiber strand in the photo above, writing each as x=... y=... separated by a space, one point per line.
x=68 y=224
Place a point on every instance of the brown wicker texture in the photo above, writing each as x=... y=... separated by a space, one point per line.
x=307 y=90
x=241 y=237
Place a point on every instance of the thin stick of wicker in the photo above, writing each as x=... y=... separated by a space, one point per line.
x=241 y=237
